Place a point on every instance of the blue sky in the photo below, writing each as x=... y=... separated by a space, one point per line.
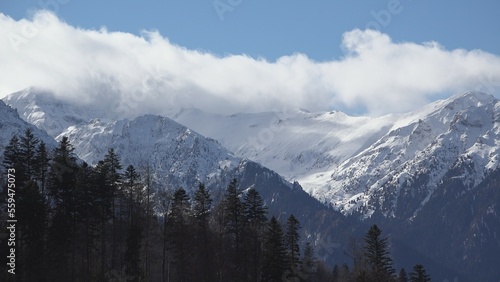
x=273 y=28
x=360 y=56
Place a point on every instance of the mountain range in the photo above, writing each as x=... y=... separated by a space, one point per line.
x=430 y=177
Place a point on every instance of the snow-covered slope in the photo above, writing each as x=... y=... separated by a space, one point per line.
x=416 y=155
x=295 y=143
x=435 y=168
x=176 y=154
x=349 y=161
x=356 y=164
x=11 y=124
x=43 y=109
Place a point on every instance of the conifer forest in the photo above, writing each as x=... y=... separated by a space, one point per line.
x=78 y=222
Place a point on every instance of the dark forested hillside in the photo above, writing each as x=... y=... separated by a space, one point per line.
x=76 y=222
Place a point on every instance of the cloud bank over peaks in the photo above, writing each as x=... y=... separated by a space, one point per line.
x=148 y=73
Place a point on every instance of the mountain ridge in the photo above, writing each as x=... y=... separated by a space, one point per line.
x=396 y=171
x=337 y=158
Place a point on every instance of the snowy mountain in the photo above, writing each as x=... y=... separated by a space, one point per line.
x=427 y=169
x=341 y=160
x=436 y=168
x=421 y=149
x=11 y=124
x=178 y=155
x=294 y=142
x=175 y=155
x=345 y=161
x=43 y=109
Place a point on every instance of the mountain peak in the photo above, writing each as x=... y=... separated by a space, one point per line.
x=12 y=124
x=471 y=99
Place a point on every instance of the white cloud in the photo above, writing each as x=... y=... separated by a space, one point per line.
x=149 y=74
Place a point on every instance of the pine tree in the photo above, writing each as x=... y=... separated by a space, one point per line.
x=88 y=212
x=234 y=213
x=11 y=158
x=148 y=184
x=62 y=177
x=402 y=277
x=133 y=253
x=42 y=164
x=202 y=204
x=33 y=213
x=378 y=256
x=254 y=209
x=419 y=274
x=274 y=259
x=112 y=162
x=27 y=151
x=234 y=223
x=292 y=243
x=179 y=223
x=255 y=214
x=162 y=200
x=62 y=183
x=309 y=265
x=103 y=203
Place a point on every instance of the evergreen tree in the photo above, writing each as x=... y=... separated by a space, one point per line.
x=62 y=183
x=234 y=213
x=11 y=158
x=112 y=163
x=254 y=209
x=309 y=264
x=27 y=151
x=88 y=216
x=163 y=201
x=202 y=204
x=234 y=223
x=179 y=223
x=42 y=164
x=131 y=176
x=292 y=244
x=33 y=213
x=103 y=203
x=419 y=274
x=378 y=256
x=255 y=214
x=274 y=258
x=62 y=177
x=402 y=277
x=133 y=253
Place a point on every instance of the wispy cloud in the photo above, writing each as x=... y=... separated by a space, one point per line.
x=148 y=73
